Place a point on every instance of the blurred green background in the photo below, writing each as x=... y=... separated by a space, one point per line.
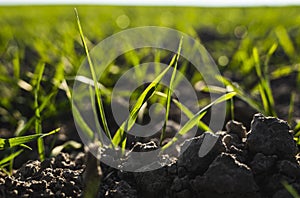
x=30 y=35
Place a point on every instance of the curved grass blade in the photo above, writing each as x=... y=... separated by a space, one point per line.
x=199 y=115
x=186 y=111
x=285 y=41
x=290 y=189
x=82 y=124
x=127 y=125
x=17 y=141
x=97 y=91
x=10 y=157
x=169 y=93
x=119 y=137
x=240 y=93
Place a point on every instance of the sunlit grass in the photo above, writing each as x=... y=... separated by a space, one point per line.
x=41 y=51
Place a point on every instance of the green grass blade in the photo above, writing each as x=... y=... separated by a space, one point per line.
x=291 y=106
x=186 y=111
x=297 y=129
x=270 y=53
x=257 y=62
x=290 y=189
x=17 y=141
x=82 y=124
x=38 y=121
x=285 y=41
x=9 y=158
x=29 y=123
x=97 y=91
x=264 y=84
x=146 y=94
x=16 y=64
x=25 y=146
x=98 y=127
x=240 y=93
x=199 y=115
x=169 y=93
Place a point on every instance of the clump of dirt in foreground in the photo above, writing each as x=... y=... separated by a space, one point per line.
x=241 y=164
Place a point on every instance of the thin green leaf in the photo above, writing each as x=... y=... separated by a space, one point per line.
x=169 y=93
x=297 y=129
x=10 y=157
x=290 y=189
x=38 y=124
x=25 y=146
x=98 y=127
x=186 y=111
x=16 y=141
x=119 y=136
x=270 y=53
x=199 y=115
x=240 y=93
x=257 y=62
x=264 y=85
x=285 y=41
x=82 y=124
x=97 y=91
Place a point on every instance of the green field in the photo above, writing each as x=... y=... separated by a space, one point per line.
x=48 y=35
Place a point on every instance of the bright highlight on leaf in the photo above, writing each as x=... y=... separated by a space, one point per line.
x=17 y=141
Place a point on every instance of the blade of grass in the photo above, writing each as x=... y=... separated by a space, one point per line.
x=97 y=91
x=119 y=137
x=199 y=115
x=17 y=141
x=290 y=189
x=38 y=121
x=285 y=41
x=297 y=129
x=264 y=85
x=240 y=93
x=92 y=98
x=16 y=64
x=268 y=57
x=291 y=107
x=169 y=93
x=186 y=111
x=82 y=124
x=10 y=157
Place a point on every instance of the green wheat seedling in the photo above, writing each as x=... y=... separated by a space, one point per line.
x=267 y=105
x=169 y=93
x=38 y=122
x=96 y=89
x=198 y=116
x=264 y=81
x=11 y=143
x=120 y=136
x=290 y=189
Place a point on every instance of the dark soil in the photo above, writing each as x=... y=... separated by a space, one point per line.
x=241 y=164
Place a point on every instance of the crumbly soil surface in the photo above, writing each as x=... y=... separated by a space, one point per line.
x=242 y=163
